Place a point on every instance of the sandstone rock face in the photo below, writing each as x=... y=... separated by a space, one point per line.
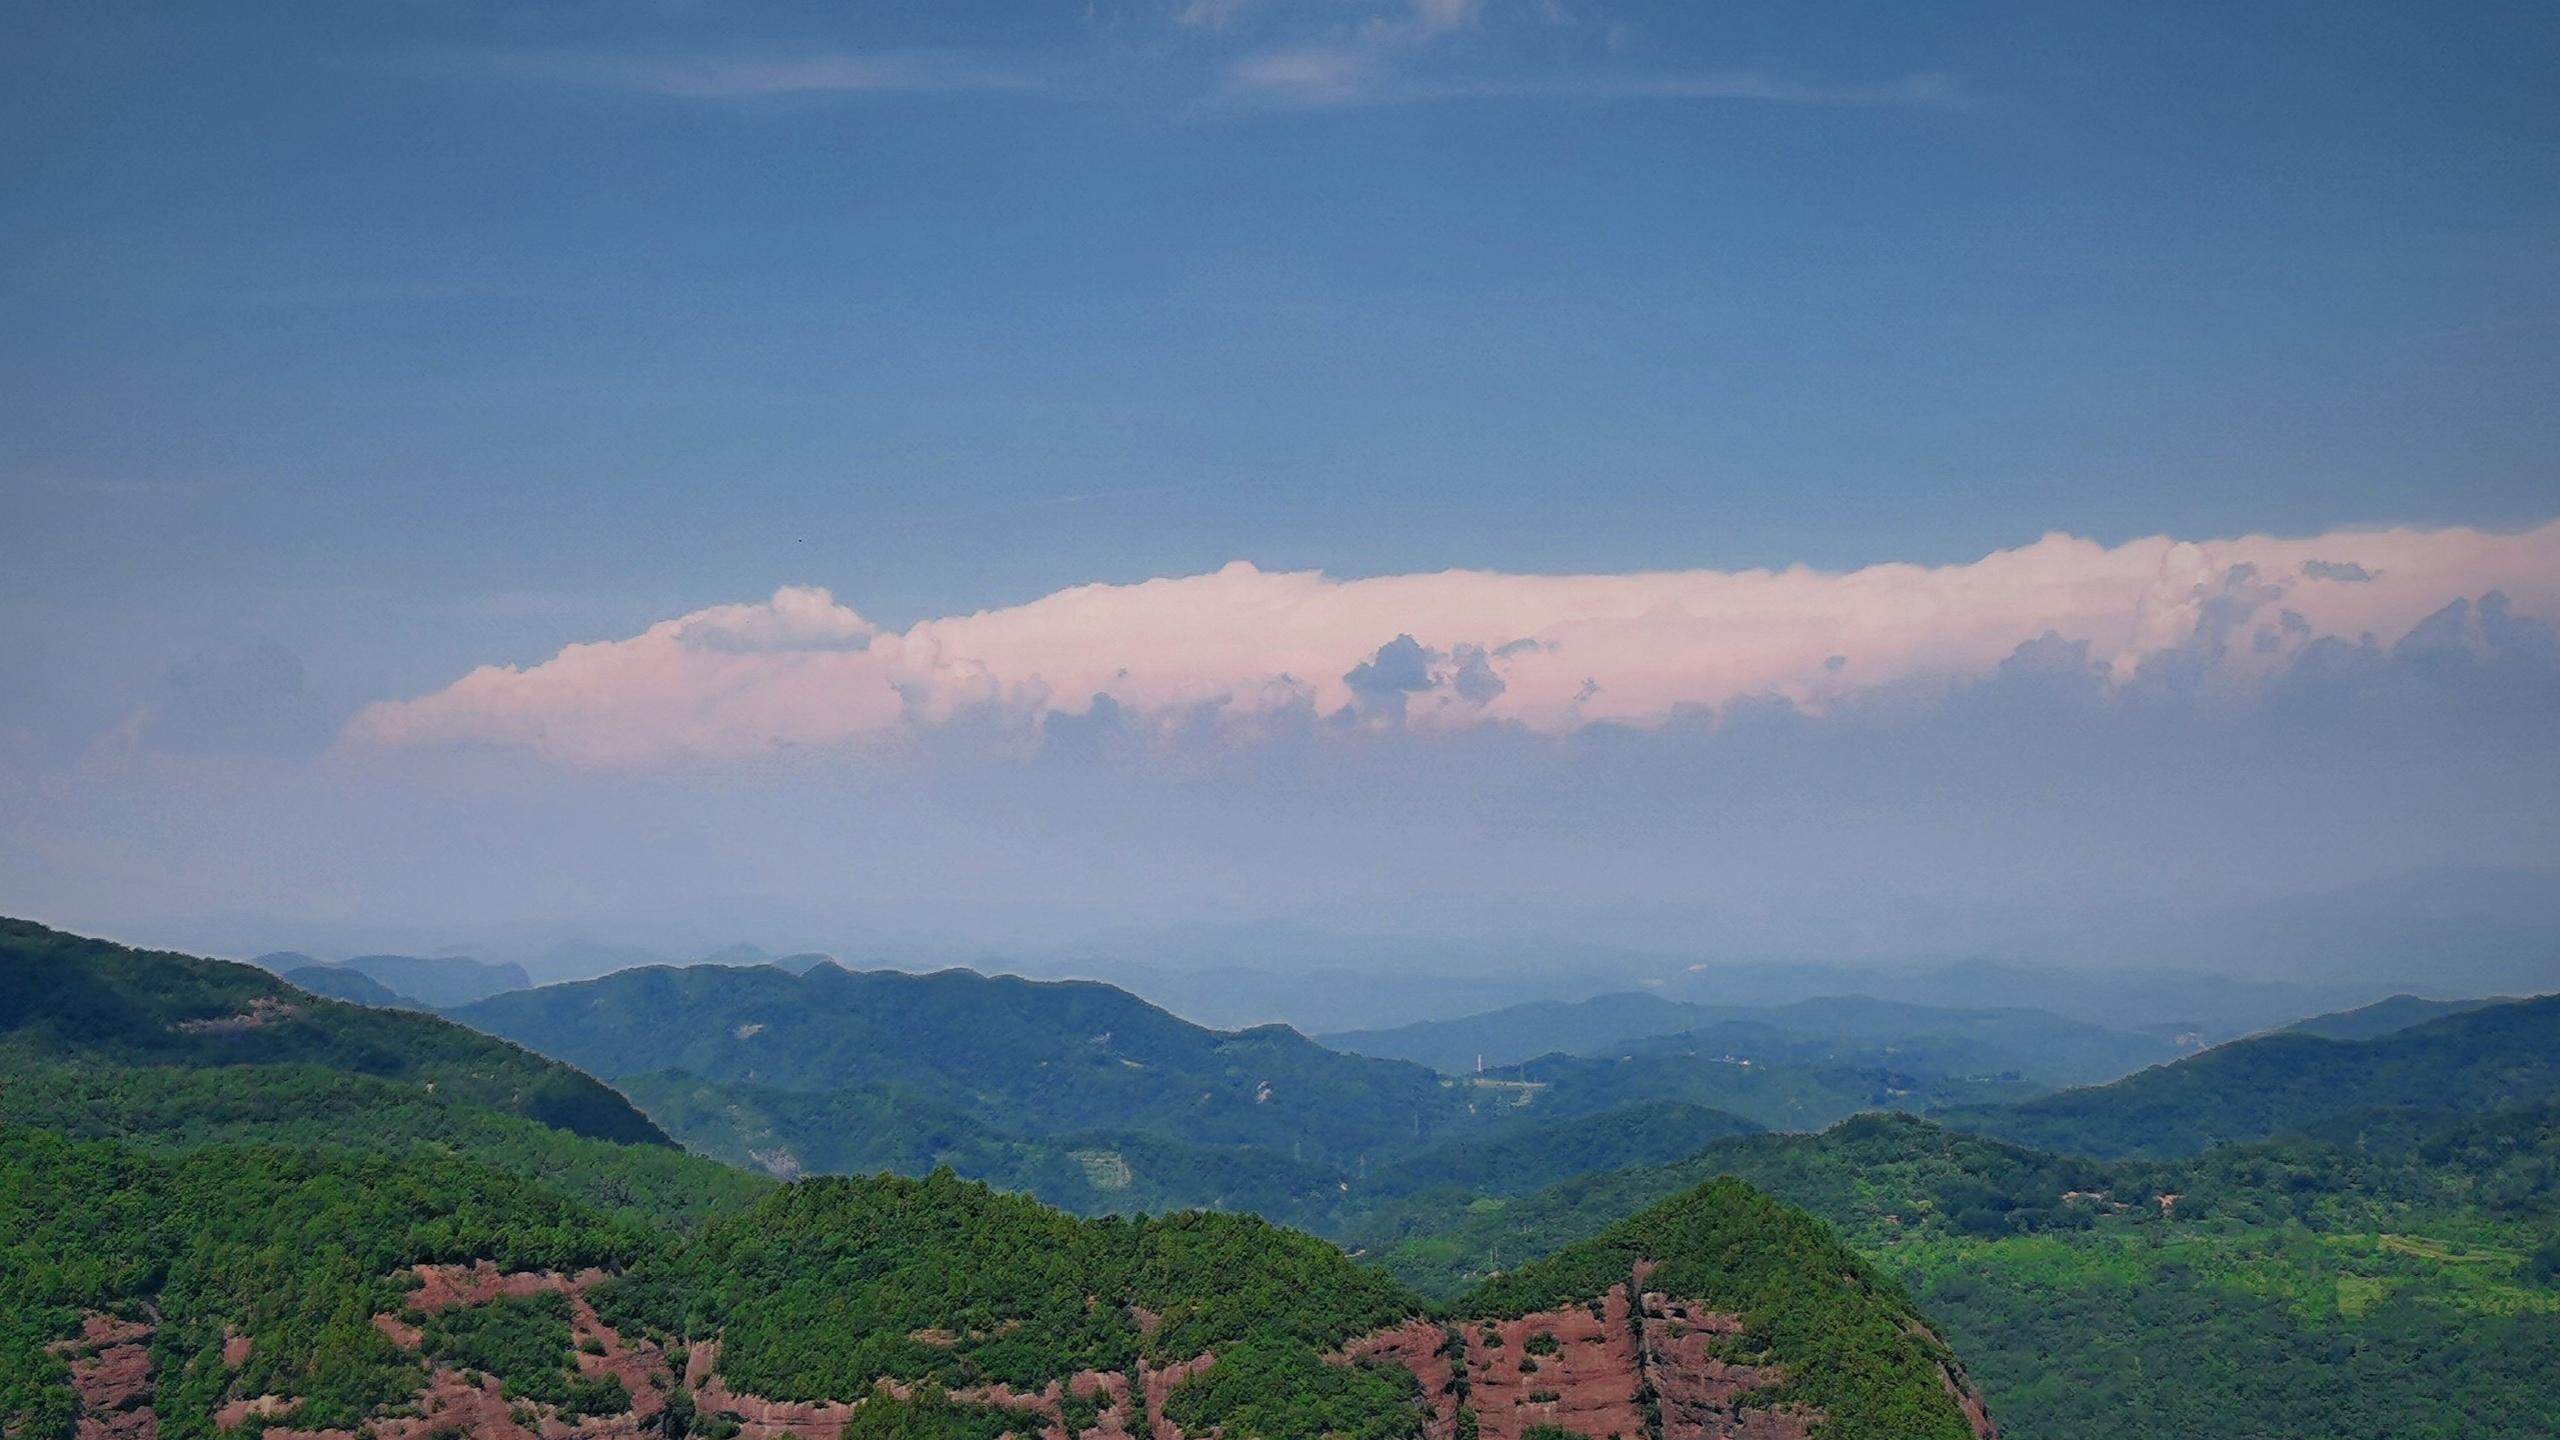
x=1595 y=1370
x=1589 y=1382
x=111 y=1374
x=1594 y=1373
x=1701 y=1397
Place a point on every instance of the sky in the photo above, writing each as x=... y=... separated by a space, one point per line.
x=1697 y=474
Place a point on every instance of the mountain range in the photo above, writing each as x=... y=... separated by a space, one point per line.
x=320 y=1217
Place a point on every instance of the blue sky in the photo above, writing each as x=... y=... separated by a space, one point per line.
x=365 y=344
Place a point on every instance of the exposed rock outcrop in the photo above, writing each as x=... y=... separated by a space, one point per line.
x=111 y=1375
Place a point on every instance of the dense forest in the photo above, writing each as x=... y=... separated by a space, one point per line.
x=293 y=1250
x=1842 y=1332
x=2339 y=1279
x=246 y=1222
x=1828 y=1031
x=1090 y=1098
x=63 y=995
x=2341 y=1283
x=2473 y=1060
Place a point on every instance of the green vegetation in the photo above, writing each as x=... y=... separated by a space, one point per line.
x=1777 y=1096
x=2383 y=1017
x=1091 y=1099
x=1263 y=1391
x=2391 y=1275
x=1844 y=1333
x=825 y=1285
x=64 y=995
x=1030 y=1059
x=2473 y=1061
x=524 y=1340
x=310 y=1105
x=929 y=1414
x=294 y=1250
x=1844 y=1030
x=869 y=1128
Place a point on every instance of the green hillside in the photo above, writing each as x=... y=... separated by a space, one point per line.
x=1831 y=1030
x=189 y=1293
x=2394 y=1276
x=2482 y=1059
x=294 y=1251
x=1028 y=1057
x=2383 y=1017
x=861 y=1129
x=1845 y=1337
x=63 y=996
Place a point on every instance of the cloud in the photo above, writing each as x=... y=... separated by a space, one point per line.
x=832 y=72
x=1207 y=57
x=1381 y=684
x=1348 y=75
x=2346 y=570
x=1240 y=651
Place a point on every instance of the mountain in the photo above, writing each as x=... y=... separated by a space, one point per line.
x=442 y=980
x=337 y=982
x=2492 y=1057
x=2037 y=1044
x=423 y=1295
x=65 y=999
x=861 y=1129
x=2383 y=1017
x=1028 y=1057
x=1747 y=1318
x=2216 y=1006
x=1094 y=1099
x=2396 y=1277
x=1832 y=1084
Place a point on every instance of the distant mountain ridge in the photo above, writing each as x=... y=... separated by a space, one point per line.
x=436 y=981
x=338 y=982
x=1027 y=1056
x=2382 y=1017
x=2038 y=1044
x=2481 y=1058
x=1011 y=1079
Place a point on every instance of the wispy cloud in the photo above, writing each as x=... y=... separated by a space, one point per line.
x=835 y=72
x=1347 y=76
x=1208 y=57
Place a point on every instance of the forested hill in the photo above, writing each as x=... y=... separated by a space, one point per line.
x=2382 y=1017
x=2033 y=1043
x=70 y=1001
x=2395 y=1276
x=1042 y=1057
x=2490 y=1058
x=394 y=1296
x=1733 y=1292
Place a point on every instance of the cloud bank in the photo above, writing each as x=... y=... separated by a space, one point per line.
x=1243 y=654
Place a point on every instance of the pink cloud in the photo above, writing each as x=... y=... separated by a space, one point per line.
x=1249 y=646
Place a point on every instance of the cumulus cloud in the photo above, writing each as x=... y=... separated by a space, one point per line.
x=1241 y=650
